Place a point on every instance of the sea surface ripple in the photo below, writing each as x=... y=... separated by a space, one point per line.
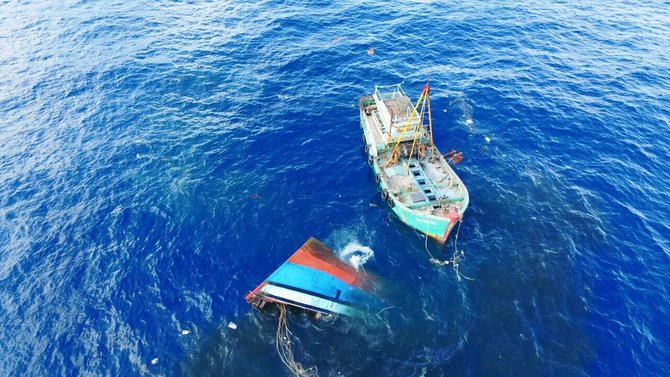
x=159 y=159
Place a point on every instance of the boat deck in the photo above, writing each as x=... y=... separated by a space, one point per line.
x=422 y=183
x=398 y=106
x=377 y=125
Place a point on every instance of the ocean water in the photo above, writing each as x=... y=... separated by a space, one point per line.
x=158 y=159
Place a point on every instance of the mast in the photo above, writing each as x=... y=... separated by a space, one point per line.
x=409 y=122
x=430 y=123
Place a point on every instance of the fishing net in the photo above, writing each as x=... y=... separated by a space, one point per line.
x=285 y=347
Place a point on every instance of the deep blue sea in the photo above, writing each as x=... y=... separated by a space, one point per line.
x=159 y=159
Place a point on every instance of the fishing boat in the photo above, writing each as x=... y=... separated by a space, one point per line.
x=316 y=280
x=414 y=178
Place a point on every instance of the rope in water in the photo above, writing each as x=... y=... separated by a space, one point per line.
x=455 y=260
x=285 y=348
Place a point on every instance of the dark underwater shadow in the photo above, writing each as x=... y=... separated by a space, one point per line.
x=331 y=344
x=530 y=297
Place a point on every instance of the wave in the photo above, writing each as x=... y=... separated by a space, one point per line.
x=355 y=254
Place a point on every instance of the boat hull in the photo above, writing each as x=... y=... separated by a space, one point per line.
x=437 y=227
x=316 y=280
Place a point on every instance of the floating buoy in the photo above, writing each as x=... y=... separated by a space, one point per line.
x=371 y=51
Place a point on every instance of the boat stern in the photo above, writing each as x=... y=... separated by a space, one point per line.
x=436 y=227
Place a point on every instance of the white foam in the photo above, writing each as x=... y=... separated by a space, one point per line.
x=356 y=254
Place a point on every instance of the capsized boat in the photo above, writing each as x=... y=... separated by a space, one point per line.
x=413 y=176
x=316 y=280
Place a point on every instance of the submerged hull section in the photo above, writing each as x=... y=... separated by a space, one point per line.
x=314 y=279
x=413 y=176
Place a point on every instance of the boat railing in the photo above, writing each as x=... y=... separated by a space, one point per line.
x=393 y=122
x=380 y=98
x=389 y=92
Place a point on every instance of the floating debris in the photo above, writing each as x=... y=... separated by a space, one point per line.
x=371 y=51
x=454 y=157
x=154 y=361
x=488 y=139
x=373 y=204
x=185 y=332
x=465 y=108
x=232 y=325
x=255 y=196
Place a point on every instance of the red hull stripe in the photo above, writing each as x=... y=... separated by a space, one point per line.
x=304 y=258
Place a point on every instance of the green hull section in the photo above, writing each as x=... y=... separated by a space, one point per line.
x=436 y=227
